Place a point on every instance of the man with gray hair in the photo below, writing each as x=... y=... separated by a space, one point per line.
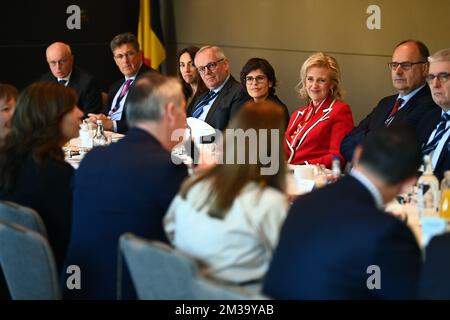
x=225 y=96
x=126 y=187
x=435 y=279
x=435 y=126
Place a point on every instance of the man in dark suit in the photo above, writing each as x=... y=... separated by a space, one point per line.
x=60 y=60
x=128 y=58
x=226 y=95
x=435 y=280
x=409 y=67
x=126 y=187
x=338 y=243
x=434 y=127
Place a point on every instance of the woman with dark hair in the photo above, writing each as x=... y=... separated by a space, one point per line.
x=229 y=216
x=258 y=76
x=8 y=97
x=33 y=172
x=193 y=85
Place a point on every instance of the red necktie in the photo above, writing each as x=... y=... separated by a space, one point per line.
x=397 y=104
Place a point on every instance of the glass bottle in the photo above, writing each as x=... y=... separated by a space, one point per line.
x=85 y=138
x=445 y=197
x=336 y=168
x=100 y=137
x=428 y=191
x=320 y=177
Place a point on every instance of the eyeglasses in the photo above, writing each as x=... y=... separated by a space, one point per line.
x=404 y=65
x=129 y=54
x=60 y=62
x=210 y=66
x=259 y=79
x=441 y=76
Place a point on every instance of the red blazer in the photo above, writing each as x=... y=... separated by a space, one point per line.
x=314 y=134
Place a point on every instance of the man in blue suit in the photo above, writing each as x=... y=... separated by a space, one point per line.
x=435 y=126
x=126 y=187
x=435 y=279
x=128 y=58
x=338 y=243
x=409 y=67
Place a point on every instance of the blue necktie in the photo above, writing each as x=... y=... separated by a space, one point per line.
x=198 y=110
x=440 y=131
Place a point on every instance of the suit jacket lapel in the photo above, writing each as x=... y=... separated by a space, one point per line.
x=324 y=116
x=218 y=101
x=407 y=107
x=444 y=152
x=192 y=106
x=74 y=81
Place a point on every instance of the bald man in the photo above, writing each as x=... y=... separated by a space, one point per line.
x=412 y=102
x=60 y=61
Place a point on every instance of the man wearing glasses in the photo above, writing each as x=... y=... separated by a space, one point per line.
x=127 y=56
x=226 y=95
x=60 y=61
x=434 y=127
x=409 y=67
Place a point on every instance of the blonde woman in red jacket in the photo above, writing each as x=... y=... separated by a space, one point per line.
x=315 y=131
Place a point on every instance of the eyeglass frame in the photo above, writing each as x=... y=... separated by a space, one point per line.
x=210 y=66
x=61 y=62
x=129 y=54
x=259 y=79
x=443 y=77
x=404 y=65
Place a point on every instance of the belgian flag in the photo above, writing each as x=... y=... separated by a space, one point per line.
x=150 y=33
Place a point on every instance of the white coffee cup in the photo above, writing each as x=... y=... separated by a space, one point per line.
x=304 y=172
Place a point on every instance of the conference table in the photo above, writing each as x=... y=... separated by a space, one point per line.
x=424 y=227
x=300 y=179
x=76 y=148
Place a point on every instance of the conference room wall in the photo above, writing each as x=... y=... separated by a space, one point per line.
x=29 y=26
x=286 y=32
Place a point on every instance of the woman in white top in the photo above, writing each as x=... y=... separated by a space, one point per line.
x=229 y=216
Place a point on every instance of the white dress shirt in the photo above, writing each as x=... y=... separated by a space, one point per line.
x=208 y=106
x=117 y=115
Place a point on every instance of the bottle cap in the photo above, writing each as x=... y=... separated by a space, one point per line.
x=99 y=122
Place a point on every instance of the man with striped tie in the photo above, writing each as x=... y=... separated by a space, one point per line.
x=225 y=96
x=436 y=137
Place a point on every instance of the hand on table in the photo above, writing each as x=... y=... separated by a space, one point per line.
x=107 y=123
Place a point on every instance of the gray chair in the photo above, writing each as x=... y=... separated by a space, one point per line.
x=27 y=263
x=162 y=273
x=24 y=216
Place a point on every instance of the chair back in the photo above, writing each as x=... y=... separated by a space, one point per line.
x=24 y=216
x=161 y=272
x=28 y=264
